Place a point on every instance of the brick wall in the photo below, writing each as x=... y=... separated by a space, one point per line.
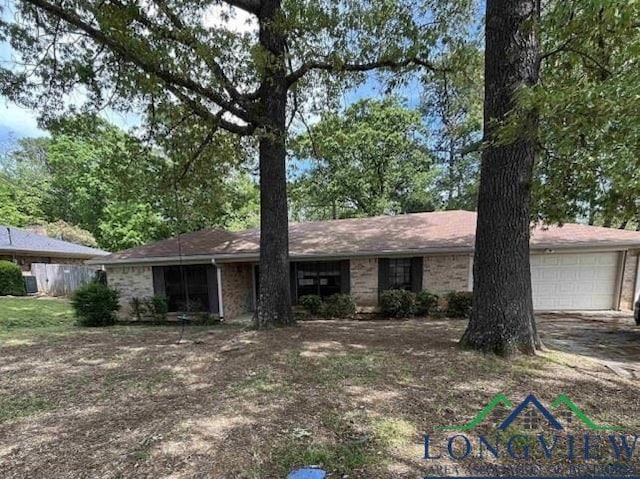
x=131 y=281
x=237 y=288
x=441 y=273
x=629 y=281
x=444 y=273
x=364 y=281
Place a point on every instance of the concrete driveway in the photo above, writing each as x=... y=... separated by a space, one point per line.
x=610 y=338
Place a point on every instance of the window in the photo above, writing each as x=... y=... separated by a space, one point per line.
x=322 y=278
x=186 y=281
x=400 y=273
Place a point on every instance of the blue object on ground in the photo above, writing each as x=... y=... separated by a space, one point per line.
x=307 y=473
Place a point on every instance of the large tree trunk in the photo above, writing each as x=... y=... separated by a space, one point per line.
x=502 y=320
x=274 y=300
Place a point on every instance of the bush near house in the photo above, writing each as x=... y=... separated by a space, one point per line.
x=398 y=303
x=158 y=307
x=339 y=306
x=11 y=280
x=459 y=304
x=312 y=304
x=95 y=305
x=426 y=303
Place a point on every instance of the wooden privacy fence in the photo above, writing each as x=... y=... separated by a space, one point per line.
x=61 y=279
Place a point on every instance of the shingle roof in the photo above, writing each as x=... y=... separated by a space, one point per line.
x=16 y=240
x=444 y=231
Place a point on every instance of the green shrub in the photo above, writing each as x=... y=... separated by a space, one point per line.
x=311 y=303
x=339 y=306
x=426 y=303
x=398 y=303
x=11 y=280
x=95 y=304
x=459 y=304
x=158 y=307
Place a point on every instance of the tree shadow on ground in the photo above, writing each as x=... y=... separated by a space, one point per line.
x=354 y=397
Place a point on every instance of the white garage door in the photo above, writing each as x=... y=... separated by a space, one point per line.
x=574 y=281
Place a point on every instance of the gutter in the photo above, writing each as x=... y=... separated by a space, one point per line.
x=52 y=254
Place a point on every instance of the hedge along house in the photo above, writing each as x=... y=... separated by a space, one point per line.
x=574 y=267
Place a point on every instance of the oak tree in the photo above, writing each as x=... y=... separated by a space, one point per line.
x=178 y=60
x=502 y=320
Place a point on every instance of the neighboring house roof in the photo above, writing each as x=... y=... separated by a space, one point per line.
x=18 y=241
x=437 y=232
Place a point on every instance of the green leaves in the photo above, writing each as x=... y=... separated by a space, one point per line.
x=588 y=102
x=368 y=161
x=92 y=175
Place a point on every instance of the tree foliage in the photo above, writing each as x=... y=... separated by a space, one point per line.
x=452 y=107
x=588 y=101
x=170 y=59
x=60 y=229
x=92 y=180
x=23 y=177
x=369 y=160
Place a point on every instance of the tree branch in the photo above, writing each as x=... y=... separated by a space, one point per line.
x=189 y=43
x=306 y=67
x=169 y=78
x=196 y=154
x=206 y=114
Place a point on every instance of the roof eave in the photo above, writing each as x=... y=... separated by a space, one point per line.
x=254 y=256
x=53 y=254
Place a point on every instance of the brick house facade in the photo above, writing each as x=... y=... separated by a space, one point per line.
x=574 y=267
x=237 y=288
x=131 y=282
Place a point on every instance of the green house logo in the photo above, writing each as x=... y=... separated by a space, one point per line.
x=530 y=400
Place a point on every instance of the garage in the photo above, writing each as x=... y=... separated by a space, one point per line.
x=583 y=281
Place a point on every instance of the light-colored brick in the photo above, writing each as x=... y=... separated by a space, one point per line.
x=629 y=280
x=132 y=282
x=364 y=281
x=237 y=288
x=444 y=273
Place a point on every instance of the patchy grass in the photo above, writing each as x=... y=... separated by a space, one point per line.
x=393 y=431
x=331 y=456
x=353 y=397
x=21 y=406
x=28 y=312
x=258 y=383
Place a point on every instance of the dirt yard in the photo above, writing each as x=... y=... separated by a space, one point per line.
x=354 y=397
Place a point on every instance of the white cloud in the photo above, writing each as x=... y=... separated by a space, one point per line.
x=18 y=120
x=230 y=18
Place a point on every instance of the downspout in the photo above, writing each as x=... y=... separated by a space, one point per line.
x=219 y=285
x=636 y=288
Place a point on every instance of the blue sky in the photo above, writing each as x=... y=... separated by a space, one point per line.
x=18 y=122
